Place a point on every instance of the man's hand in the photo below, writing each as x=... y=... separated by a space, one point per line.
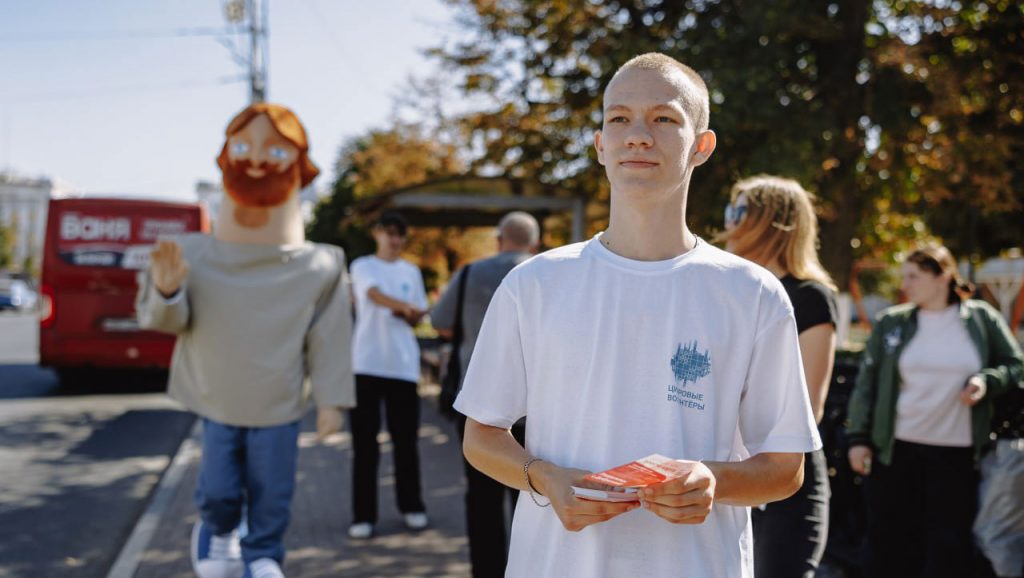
x=409 y=314
x=973 y=391
x=684 y=500
x=328 y=421
x=860 y=459
x=167 y=267
x=575 y=514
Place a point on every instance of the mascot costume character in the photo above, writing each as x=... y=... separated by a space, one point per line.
x=263 y=320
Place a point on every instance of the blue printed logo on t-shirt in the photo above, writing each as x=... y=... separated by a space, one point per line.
x=688 y=366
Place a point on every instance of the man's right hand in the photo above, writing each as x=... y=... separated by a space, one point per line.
x=860 y=459
x=167 y=267
x=409 y=314
x=555 y=483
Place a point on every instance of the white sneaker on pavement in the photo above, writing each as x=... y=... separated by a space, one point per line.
x=360 y=531
x=264 y=568
x=416 y=520
x=216 y=556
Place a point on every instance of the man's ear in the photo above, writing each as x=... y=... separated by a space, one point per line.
x=703 y=147
x=599 y=147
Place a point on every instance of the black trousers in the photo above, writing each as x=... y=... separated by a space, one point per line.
x=486 y=522
x=920 y=511
x=790 y=535
x=402 y=410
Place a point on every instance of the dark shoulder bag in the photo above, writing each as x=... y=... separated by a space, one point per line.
x=452 y=376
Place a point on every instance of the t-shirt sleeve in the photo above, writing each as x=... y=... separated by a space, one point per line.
x=775 y=413
x=815 y=306
x=442 y=316
x=363 y=278
x=494 y=391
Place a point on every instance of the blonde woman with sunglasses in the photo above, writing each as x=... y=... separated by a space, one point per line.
x=770 y=221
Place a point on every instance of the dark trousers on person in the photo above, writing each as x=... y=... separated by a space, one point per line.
x=790 y=535
x=486 y=523
x=920 y=511
x=402 y=411
x=250 y=470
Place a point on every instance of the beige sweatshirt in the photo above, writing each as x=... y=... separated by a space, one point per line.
x=253 y=323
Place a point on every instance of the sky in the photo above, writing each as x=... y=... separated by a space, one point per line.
x=107 y=97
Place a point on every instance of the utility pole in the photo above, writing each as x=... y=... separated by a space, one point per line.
x=258 y=50
x=252 y=14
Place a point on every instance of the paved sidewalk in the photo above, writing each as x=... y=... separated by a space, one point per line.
x=316 y=541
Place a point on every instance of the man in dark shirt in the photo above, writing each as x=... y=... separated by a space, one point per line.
x=518 y=237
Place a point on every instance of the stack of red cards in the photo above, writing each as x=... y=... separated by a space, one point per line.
x=652 y=469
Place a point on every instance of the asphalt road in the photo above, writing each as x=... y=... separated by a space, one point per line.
x=77 y=467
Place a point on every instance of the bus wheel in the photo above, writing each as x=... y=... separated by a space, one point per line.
x=74 y=378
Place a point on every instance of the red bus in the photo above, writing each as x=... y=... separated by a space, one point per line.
x=94 y=248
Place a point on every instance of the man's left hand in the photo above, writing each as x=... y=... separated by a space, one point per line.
x=328 y=421
x=973 y=391
x=684 y=500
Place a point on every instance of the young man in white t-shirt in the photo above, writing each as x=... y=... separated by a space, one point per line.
x=642 y=340
x=390 y=300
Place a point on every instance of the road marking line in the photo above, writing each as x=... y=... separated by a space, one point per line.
x=127 y=561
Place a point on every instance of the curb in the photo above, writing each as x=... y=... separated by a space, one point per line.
x=127 y=561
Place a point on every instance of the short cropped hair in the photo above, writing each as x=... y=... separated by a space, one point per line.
x=392 y=219
x=697 y=105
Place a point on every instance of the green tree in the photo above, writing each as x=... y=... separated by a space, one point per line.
x=826 y=93
x=6 y=247
x=961 y=164
x=371 y=164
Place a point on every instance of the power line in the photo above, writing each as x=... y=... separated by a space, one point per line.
x=77 y=93
x=138 y=34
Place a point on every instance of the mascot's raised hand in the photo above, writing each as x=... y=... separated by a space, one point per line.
x=167 y=267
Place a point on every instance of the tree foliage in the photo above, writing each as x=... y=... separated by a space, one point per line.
x=912 y=106
x=376 y=162
x=6 y=247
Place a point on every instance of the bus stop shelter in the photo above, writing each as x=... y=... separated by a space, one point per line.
x=476 y=202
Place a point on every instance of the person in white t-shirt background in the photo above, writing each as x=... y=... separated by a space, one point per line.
x=643 y=340
x=390 y=300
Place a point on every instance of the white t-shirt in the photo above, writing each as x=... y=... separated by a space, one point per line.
x=384 y=345
x=613 y=359
x=934 y=367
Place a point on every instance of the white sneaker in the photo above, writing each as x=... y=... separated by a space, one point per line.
x=360 y=531
x=264 y=568
x=416 y=520
x=216 y=556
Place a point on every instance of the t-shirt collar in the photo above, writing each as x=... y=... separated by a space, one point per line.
x=599 y=251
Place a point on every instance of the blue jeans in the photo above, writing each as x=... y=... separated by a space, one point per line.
x=250 y=469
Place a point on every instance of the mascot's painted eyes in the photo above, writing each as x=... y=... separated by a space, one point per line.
x=278 y=154
x=239 y=148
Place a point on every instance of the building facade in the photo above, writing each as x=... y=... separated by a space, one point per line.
x=23 y=205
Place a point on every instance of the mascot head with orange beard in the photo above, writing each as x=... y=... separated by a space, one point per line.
x=265 y=162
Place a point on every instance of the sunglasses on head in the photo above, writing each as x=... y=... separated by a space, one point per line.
x=734 y=214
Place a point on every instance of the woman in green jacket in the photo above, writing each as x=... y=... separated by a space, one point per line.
x=920 y=415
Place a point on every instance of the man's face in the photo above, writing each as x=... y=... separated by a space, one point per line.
x=390 y=241
x=261 y=171
x=648 y=142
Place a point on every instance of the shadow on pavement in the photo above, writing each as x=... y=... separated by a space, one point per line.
x=73 y=485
